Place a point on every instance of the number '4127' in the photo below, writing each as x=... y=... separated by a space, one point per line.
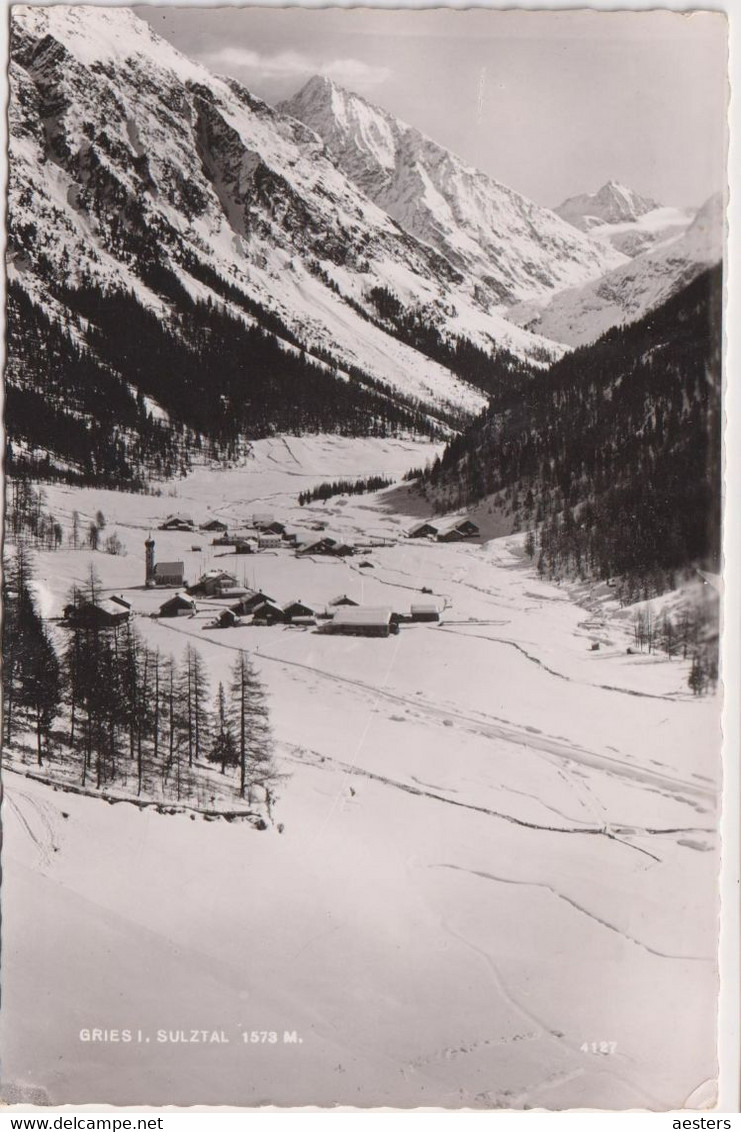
x=598 y=1047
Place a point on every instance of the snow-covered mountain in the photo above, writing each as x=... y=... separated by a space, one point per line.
x=618 y=216
x=582 y=314
x=611 y=204
x=512 y=248
x=131 y=166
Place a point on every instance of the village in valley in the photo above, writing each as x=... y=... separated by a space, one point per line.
x=415 y=700
x=361 y=592
x=219 y=589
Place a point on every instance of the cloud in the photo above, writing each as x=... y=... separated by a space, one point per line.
x=295 y=65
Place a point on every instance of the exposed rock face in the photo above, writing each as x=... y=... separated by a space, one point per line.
x=513 y=248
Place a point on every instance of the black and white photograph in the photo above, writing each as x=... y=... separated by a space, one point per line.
x=362 y=583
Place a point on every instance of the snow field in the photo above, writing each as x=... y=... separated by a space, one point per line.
x=493 y=850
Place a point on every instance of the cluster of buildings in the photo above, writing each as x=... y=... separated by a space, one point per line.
x=341 y=615
x=461 y=530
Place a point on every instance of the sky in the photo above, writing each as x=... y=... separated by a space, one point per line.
x=550 y=103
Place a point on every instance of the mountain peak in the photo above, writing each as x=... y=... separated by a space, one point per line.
x=488 y=232
x=614 y=203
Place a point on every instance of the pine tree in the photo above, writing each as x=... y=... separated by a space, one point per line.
x=251 y=722
x=223 y=749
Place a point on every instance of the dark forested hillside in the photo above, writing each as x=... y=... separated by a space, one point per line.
x=110 y=393
x=614 y=455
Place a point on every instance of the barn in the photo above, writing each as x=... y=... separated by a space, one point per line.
x=249 y=603
x=227 y=619
x=297 y=610
x=268 y=613
x=362 y=621
x=461 y=530
x=177 y=523
x=214 y=525
x=423 y=530
x=178 y=606
x=102 y=614
x=425 y=611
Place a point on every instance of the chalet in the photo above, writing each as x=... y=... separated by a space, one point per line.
x=274 y=528
x=227 y=619
x=216 y=583
x=101 y=614
x=177 y=523
x=296 y=610
x=169 y=574
x=322 y=545
x=268 y=613
x=362 y=621
x=425 y=611
x=214 y=525
x=291 y=536
x=461 y=530
x=245 y=546
x=268 y=541
x=249 y=603
x=343 y=599
x=178 y=606
x=423 y=530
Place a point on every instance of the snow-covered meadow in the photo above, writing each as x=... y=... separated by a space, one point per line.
x=496 y=879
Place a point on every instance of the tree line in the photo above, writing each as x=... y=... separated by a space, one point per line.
x=109 y=711
x=344 y=487
x=613 y=454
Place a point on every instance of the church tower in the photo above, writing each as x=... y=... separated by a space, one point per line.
x=149 y=547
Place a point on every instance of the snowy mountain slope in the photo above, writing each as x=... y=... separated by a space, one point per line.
x=512 y=248
x=582 y=314
x=130 y=165
x=629 y=222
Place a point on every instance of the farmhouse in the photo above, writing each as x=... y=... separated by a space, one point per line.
x=214 y=525
x=362 y=621
x=343 y=599
x=463 y=529
x=245 y=546
x=296 y=610
x=216 y=583
x=249 y=603
x=102 y=614
x=177 y=523
x=178 y=606
x=227 y=619
x=425 y=611
x=169 y=574
x=423 y=530
x=268 y=613
x=324 y=545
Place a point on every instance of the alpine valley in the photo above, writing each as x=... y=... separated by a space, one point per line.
x=407 y=785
